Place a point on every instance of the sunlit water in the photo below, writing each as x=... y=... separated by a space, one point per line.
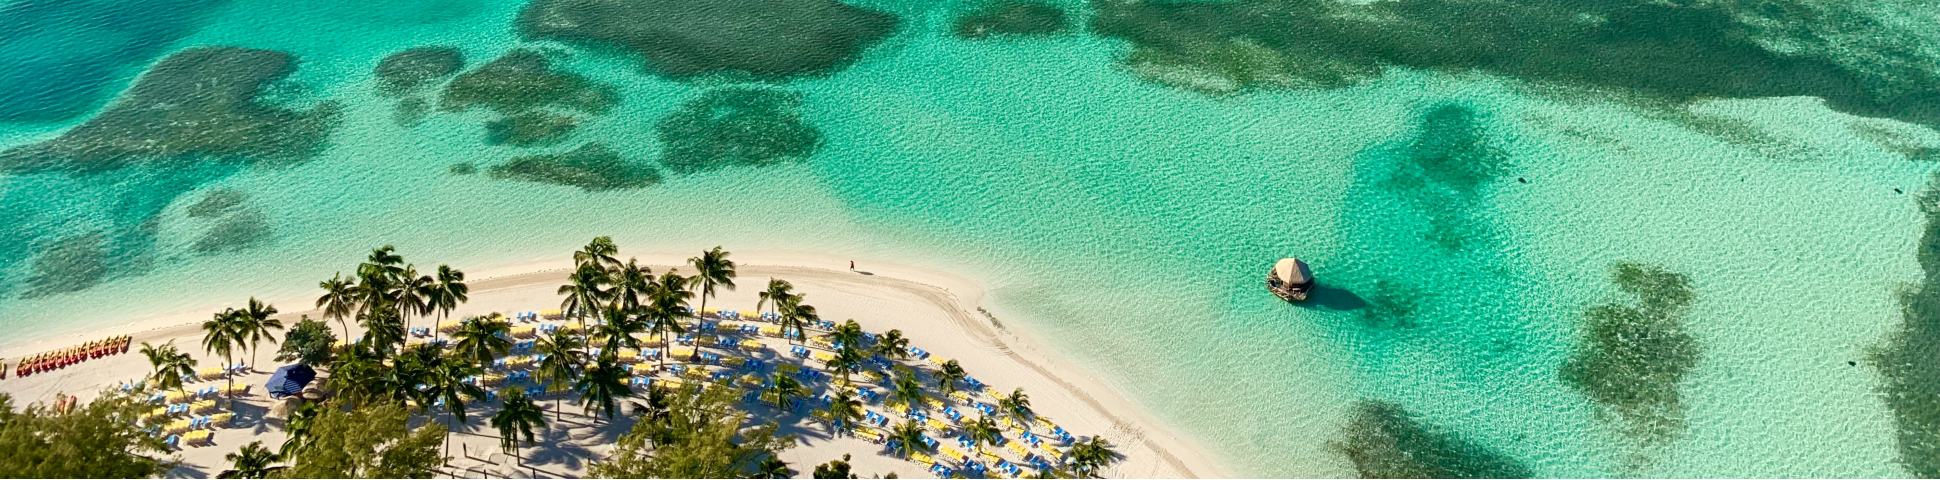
x=1127 y=223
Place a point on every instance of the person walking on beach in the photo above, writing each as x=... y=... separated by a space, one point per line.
x=852 y=265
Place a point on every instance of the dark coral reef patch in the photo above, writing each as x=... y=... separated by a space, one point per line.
x=529 y=129
x=1672 y=50
x=1633 y=357
x=736 y=126
x=1443 y=168
x=69 y=264
x=195 y=105
x=1011 y=18
x=1910 y=376
x=1384 y=441
x=63 y=59
x=417 y=67
x=592 y=167
x=523 y=80
x=762 y=39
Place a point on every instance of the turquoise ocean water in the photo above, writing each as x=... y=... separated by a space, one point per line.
x=1125 y=222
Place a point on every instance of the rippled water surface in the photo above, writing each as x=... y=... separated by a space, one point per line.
x=1122 y=184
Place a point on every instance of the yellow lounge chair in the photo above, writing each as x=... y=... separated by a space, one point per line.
x=654 y=342
x=749 y=314
x=770 y=331
x=823 y=357
x=524 y=331
x=934 y=403
x=201 y=407
x=177 y=426
x=1018 y=447
x=237 y=390
x=734 y=362
x=681 y=353
x=221 y=420
x=551 y=314
x=922 y=458
x=449 y=326
x=751 y=345
x=938 y=360
x=937 y=425
x=643 y=368
x=179 y=396
x=210 y=373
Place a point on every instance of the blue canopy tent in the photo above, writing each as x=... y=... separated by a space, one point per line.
x=290 y=379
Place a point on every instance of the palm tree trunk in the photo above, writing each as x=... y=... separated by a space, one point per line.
x=229 y=391
x=346 y=327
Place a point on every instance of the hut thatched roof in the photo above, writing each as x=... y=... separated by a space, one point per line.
x=1292 y=270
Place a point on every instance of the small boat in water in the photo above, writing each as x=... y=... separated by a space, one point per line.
x=1290 y=280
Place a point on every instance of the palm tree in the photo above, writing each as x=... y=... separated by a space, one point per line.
x=253 y=461
x=359 y=373
x=296 y=430
x=376 y=276
x=908 y=437
x=1018 y=406
x=583 y=292
x=170 y=365
x=603 y=385
x=848 y=334
x=777 y=292
x=631 y=282
x=446 y=382
x=411 y=297
x=659 y=405
x=221 y=335
x=382 y=331
x=785 y=388
x=254 y=324
x=907 y=390
x=562 y=364
x=616 y=331
x=948 y=376
x=795 y=315
x=339 y=300
x=1090 y=455
x=598 y=253
x=846 y=361
x=773 y=468
x=982 y=431
x=669 y=303
x=516 y=417
x=843 y=410
x=481 y=339
x=712 y=269
x=892 y=344
x=446 y=293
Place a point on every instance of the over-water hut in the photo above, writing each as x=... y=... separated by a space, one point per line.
x=1290 y=280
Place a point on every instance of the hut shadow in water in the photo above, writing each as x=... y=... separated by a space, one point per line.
x=1325 y=297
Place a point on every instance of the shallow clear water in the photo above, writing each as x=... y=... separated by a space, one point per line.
x=1126 y=222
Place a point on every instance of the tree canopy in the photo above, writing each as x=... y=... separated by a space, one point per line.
x=703 y=435
x=97 y=440
x=370 y=441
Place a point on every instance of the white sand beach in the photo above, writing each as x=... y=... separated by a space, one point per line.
x=937 y=311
